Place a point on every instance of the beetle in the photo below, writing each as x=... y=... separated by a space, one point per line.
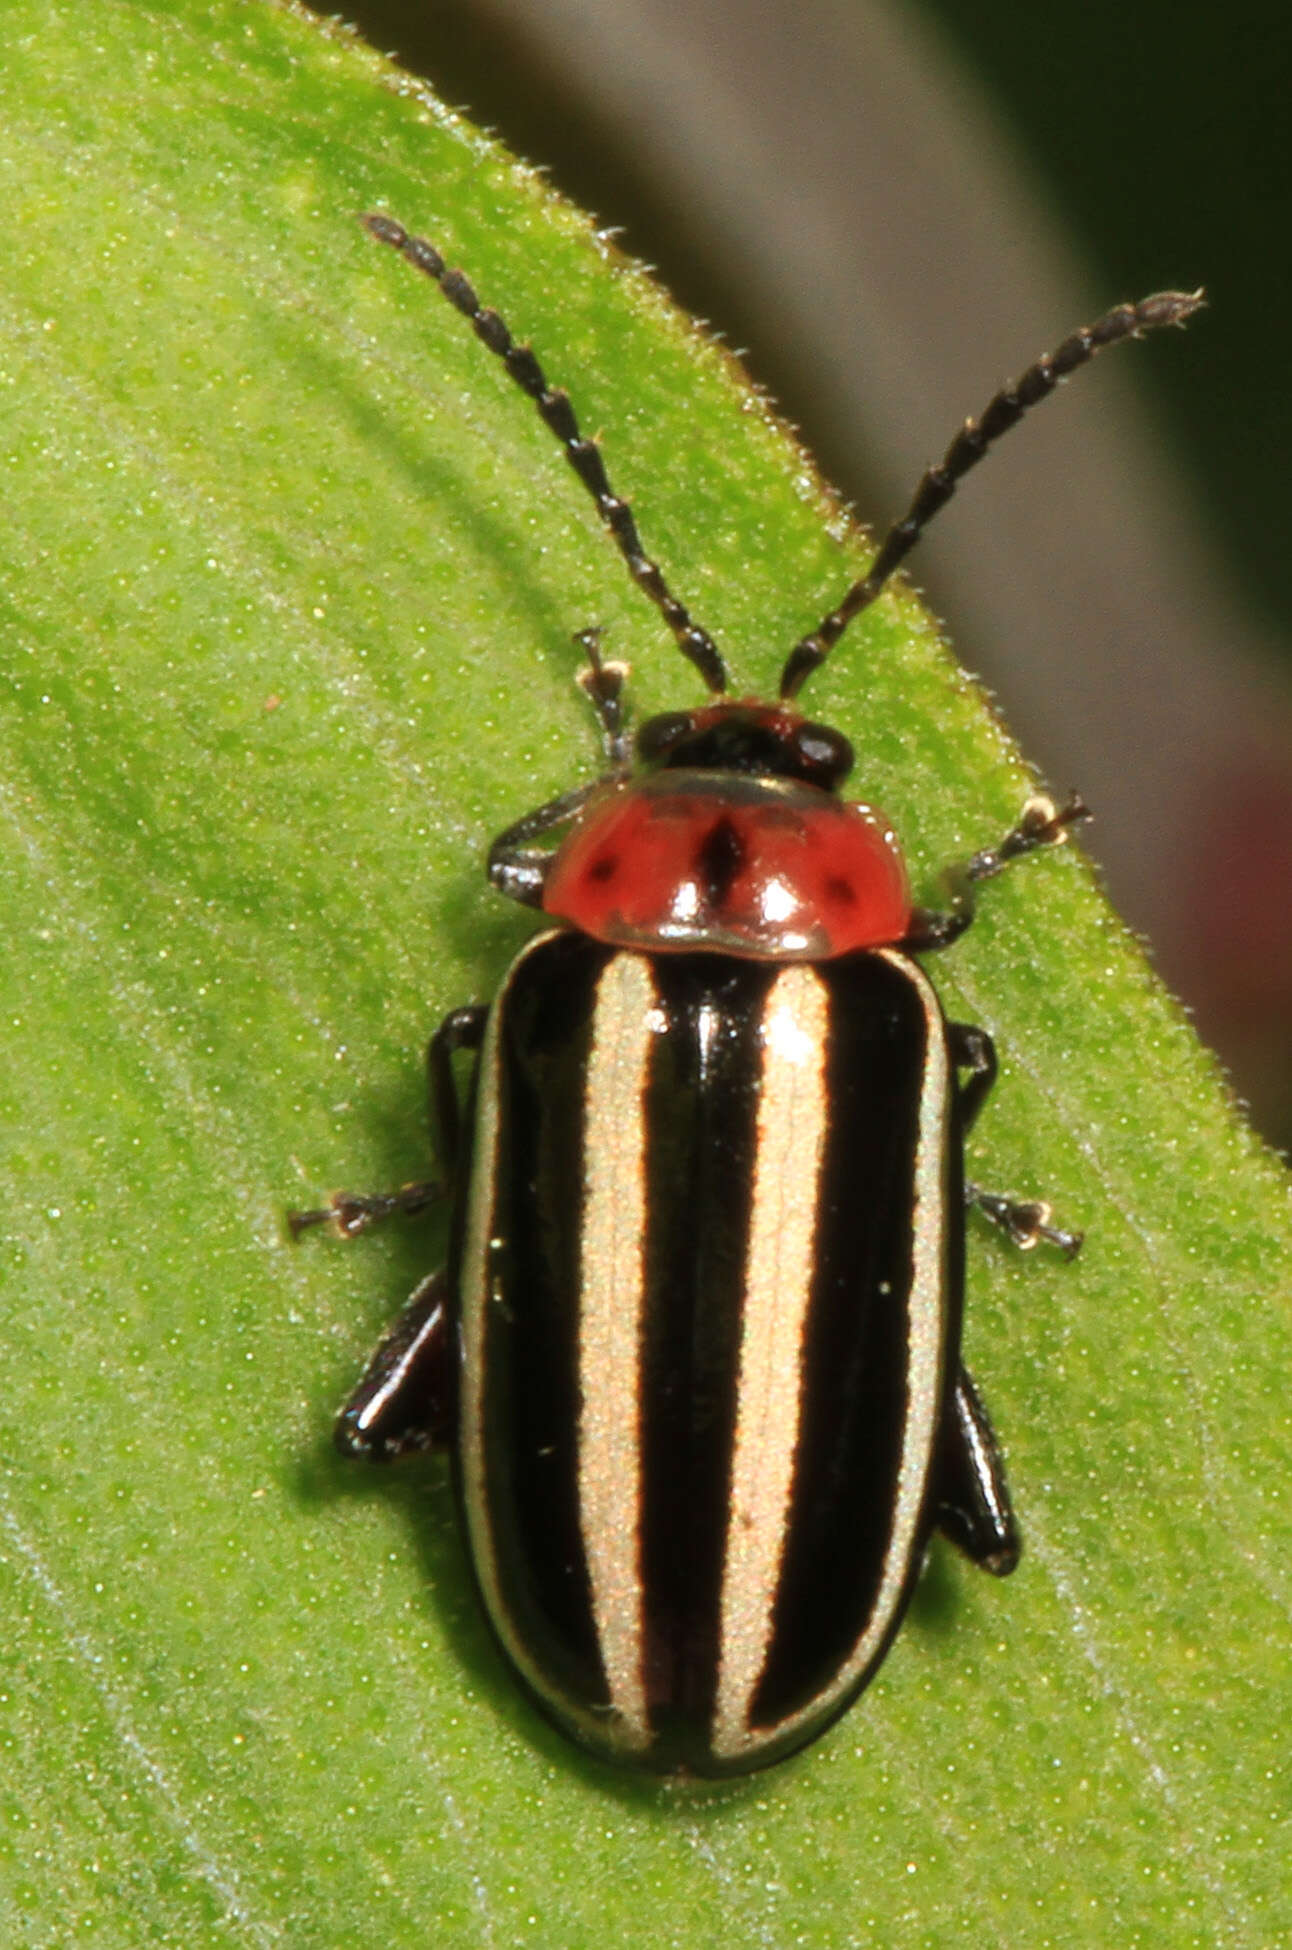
x=696 y=1349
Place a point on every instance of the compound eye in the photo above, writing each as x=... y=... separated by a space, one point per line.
x=824 y=754
x=658 y=735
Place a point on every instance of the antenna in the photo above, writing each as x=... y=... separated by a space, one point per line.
x=967 y=449
x=584 y=456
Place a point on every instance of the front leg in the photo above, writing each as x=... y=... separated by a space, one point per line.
x=1041 y=823
x=518 y=869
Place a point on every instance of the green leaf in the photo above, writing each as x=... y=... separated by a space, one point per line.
x=287 y=578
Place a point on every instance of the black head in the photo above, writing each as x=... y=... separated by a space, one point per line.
x=766 y=740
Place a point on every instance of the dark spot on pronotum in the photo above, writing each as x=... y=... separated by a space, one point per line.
x=718 y=859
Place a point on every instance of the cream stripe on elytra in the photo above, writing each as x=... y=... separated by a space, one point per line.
x=612 y=1281
x=789 y=1148
x=926 y=1358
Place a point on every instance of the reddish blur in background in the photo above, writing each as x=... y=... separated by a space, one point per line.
x=895 y=206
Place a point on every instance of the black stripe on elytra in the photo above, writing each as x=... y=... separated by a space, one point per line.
x=531 y=1359
x=702 y=1108
x=854 y=1406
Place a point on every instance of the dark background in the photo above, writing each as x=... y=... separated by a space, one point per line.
x=1161 y=133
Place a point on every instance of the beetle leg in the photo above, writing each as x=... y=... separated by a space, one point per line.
x=1041 y=823
x=350 y=1213
x=971 y=1496
x=1026 y=1221
x=518 y=869
x=972 y=1049
x=460 y=1029
x=405 y=1400
x=603 y=685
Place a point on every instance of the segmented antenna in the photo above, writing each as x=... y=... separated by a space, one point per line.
x=968 y=448
x=584 y=456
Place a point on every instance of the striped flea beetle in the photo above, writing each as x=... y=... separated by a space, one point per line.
x=696 y=1350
